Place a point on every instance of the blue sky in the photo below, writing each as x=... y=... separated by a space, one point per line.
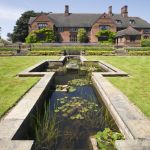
x=10 y=10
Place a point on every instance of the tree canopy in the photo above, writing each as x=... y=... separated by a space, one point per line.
x=45 y=35
x=20 y=31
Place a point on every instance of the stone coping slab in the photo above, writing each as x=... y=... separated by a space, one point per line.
x=15 y=145
x=10 y=124
x=28 y=72
x=130 y=120
x=138 y=144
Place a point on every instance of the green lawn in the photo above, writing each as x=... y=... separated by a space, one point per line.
x=11 y=86
x=137 y=86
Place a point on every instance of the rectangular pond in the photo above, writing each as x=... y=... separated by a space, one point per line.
x=71 y=110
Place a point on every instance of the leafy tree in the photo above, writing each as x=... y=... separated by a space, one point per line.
x=106 y=35
x=43 y=35
x=9 y=35
x=21 y=29
x=82 y=35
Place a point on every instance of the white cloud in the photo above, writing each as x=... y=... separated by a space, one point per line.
x=8 y=18
x=8 y=13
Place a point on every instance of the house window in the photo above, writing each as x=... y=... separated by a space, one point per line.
x=42 y=25
x=146 y=31
x=60 y=29
x=146 y=37
x=73 y=29
x=104 y=27
x=73 y=38
x=118 y=21
x=132 y=38
x=132 y=21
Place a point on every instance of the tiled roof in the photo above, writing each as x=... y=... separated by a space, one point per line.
x=128 y=31
x=31 y=20
x=87 y=20
x=74 y=20
x=125 y=22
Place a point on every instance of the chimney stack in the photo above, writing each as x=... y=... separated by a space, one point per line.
x=66 y=10
x=124 y=11
x=110 y=11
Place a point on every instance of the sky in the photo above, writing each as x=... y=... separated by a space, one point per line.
x=11 y=10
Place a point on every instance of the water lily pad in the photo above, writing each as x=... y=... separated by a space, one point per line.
x=56 y=110
x=72 y=89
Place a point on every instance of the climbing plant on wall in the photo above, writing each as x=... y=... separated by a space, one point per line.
x=45 y=35
x=106 y=35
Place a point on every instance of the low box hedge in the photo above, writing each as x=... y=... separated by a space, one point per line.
x=138 y=49
x=139 y=53
x=6 y=53
x=80 y=48
x=104 y=53
x=8 y=48
x=44 y=53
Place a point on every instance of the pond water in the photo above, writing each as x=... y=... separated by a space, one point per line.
x=74 y=112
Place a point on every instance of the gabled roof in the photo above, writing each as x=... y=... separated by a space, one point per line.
x=31 y=20
x=128 y=31
x=87 y=20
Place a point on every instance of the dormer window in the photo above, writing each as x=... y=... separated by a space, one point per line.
x=132 y=21
x=42 y=25
x=118 y=21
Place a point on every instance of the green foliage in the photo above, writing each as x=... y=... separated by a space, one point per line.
x=104 y=53
x=21 y=29
x=37 y=46
x=44 y=53
x=145 y=42
x=75 y=108
x=111 y=35
x=6 y=53
x=7 y=48
x=82 y=36
x=31 y=38
x=139 y=53
x=138 y=49
x=45 y=35
x=46 y=130
x=106 y=139
x=78 y=82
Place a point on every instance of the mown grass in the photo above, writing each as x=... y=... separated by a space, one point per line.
x=11 y=86
x=137 y=85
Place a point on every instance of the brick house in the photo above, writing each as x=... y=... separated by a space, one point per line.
x=67 y=24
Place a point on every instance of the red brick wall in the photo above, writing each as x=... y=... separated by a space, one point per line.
x=65 y=36
x=41 y=19
x=104 y=20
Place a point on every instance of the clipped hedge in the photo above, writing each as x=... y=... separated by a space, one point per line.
x=8 y=48
x=44 y=53
x=104 y=53
x=139 y=53
x=138 y=49
x=80 y=48
x=6 y=53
